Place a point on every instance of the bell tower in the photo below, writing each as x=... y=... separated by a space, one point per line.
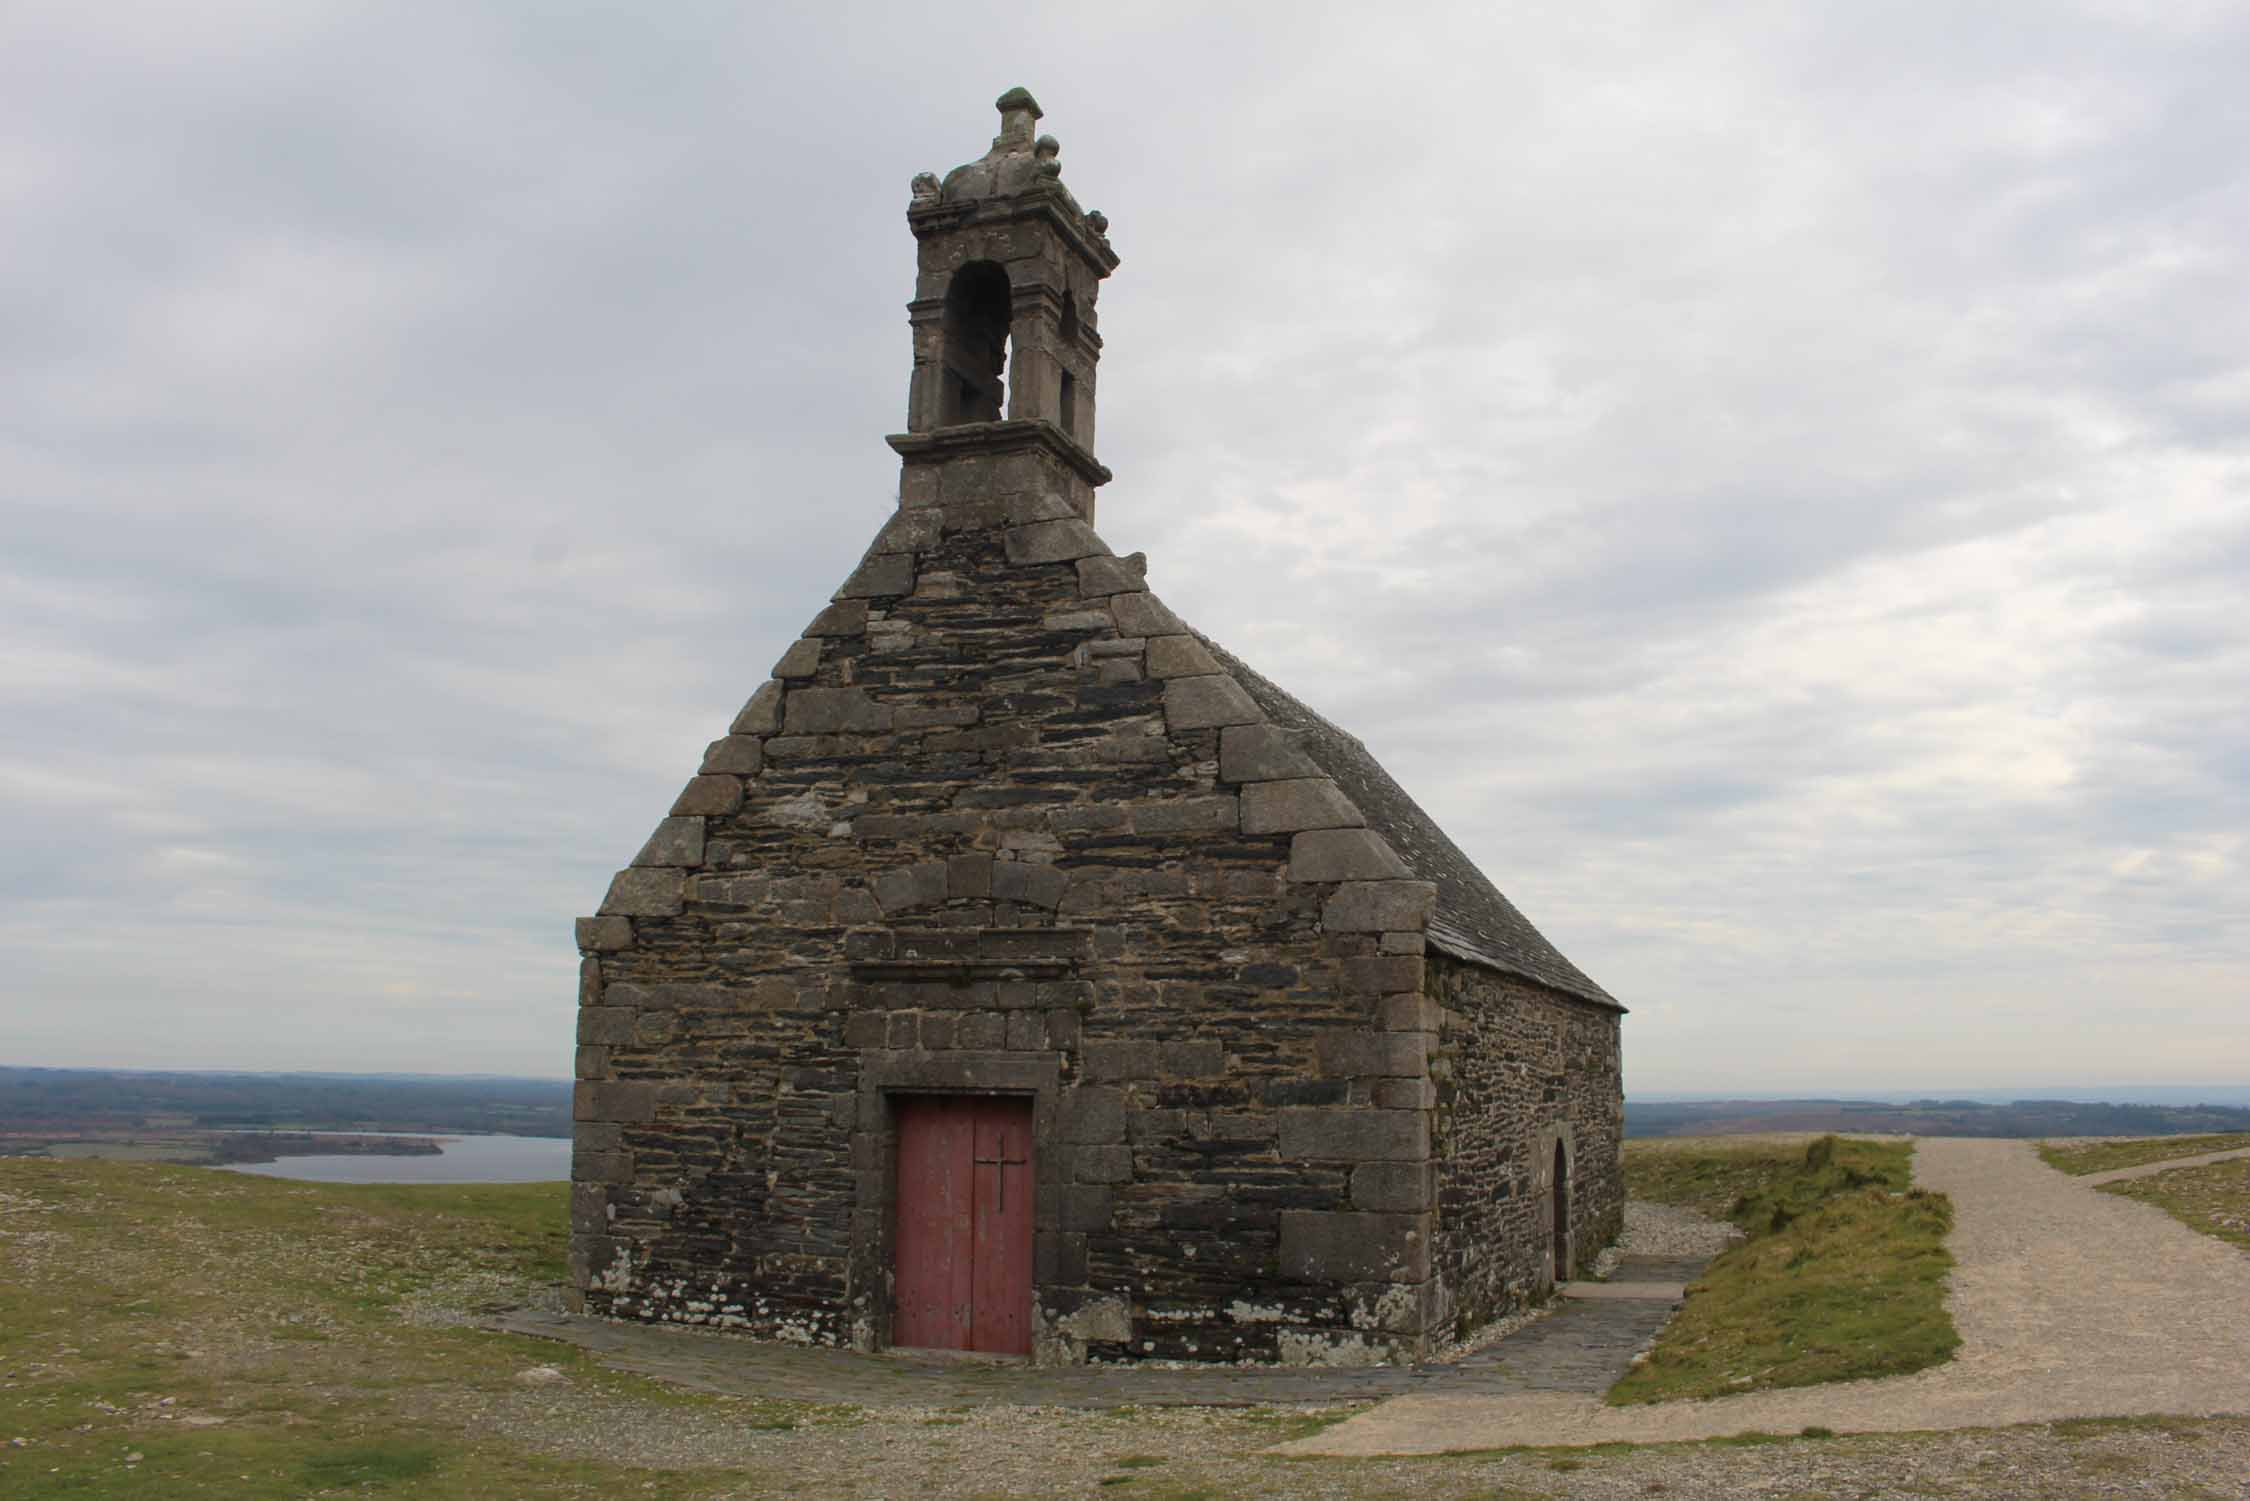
x=1002 y=399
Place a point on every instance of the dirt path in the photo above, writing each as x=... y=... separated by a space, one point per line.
x=2070 y=1303
x=2151 y=1169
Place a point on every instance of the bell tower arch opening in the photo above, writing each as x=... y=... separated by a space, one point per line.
x=977 y=310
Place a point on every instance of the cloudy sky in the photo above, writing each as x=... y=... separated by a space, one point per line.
x=1774 y=480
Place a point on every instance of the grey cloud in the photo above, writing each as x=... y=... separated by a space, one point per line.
x=1765 y=483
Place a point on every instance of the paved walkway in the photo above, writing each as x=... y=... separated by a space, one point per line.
x=1580 y=1347
x=2070 y=1303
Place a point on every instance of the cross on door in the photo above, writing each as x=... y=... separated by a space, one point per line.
x=1001 y=1160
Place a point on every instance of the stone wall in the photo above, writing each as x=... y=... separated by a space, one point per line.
x=1518 y=1067
x=999 y=823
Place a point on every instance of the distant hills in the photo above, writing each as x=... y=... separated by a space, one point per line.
x=63 y=1102
x=72 y=1101
x=1957 y=1117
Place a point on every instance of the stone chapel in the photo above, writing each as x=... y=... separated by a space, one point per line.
x=1021 y=972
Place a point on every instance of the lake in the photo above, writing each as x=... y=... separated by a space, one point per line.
x=465 y=1159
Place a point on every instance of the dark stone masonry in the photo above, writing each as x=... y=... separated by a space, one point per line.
x=1300 y=1084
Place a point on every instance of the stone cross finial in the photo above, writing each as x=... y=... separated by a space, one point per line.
x=1019 y=113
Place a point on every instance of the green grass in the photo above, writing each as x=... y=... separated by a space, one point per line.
x=1706 y=1174
x=2080 y=1158
x=290 y=1313
x=369 y=1466
x=1287 y=1425
x=1842 y=1277
x=2213 y=1199
x=273 y=1316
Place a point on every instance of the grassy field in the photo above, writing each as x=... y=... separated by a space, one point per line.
x=2213 y=1198
x=2082 y=1157
x=181 y=1332
x=1842 y=1276
x=1708 y=1174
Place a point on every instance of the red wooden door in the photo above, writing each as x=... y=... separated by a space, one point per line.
x=964 y=1224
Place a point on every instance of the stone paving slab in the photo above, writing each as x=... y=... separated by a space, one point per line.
x=1581 y=1348
x=1610 y=1292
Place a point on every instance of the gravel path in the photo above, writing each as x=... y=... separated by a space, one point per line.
x=2151 y=1169
x=2070 y=1303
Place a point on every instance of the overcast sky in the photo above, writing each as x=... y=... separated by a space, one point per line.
x=1774 y=481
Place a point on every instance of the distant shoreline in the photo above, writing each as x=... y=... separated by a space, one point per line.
x=236 y=1148
x=2027 y=1118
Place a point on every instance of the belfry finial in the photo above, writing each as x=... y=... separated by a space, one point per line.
x=1018 y=113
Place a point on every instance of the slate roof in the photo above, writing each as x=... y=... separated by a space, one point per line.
x=1474 y=922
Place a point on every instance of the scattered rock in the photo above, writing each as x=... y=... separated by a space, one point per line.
x=540 y=1375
